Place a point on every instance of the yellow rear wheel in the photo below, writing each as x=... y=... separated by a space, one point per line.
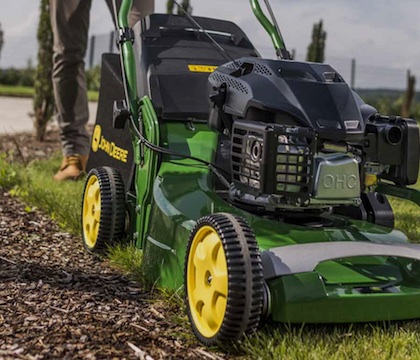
x=207 y=281
x=223 y=279
x=103 y=209
x=91 y=211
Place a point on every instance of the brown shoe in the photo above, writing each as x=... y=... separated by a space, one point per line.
x=72 y=167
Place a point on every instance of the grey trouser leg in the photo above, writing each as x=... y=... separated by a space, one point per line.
x=70 y=23
x=140 y=9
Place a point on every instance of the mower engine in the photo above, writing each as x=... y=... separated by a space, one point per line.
x=300 y=138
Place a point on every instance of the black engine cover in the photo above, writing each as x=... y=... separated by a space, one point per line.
x=314 y=95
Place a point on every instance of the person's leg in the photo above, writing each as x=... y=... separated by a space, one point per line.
x=70 y=24
x=141 y=9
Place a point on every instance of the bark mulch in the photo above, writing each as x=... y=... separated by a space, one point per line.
x=57 y=301
x=23 y=147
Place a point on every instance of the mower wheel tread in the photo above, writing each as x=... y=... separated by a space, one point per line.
x=245 y=278
x=112 y=209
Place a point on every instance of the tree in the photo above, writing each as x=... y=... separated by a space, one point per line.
x=409 y=95
x=1 y=39
x=43 y=100
x=316 y=49
x=170 y=5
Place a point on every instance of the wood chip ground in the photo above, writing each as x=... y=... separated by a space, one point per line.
x=58 y=302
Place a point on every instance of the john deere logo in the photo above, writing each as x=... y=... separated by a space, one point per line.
x=96 y=138
x=100 y=143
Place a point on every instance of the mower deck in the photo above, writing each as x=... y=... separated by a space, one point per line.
x=306 y=298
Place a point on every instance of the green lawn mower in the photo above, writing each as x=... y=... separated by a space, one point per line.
x=258 y=185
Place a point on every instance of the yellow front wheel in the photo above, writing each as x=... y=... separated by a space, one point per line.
x=223 y=279
x=103 y=209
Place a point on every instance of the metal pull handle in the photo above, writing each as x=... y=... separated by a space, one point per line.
x=271 y=27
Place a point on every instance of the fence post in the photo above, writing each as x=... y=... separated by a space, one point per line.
x=111 y=41
x=91 y=51
x=353 y=73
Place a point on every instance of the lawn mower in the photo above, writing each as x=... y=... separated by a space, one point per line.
x=258 y=185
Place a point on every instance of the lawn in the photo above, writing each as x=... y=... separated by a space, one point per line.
x=16 y=91
x=28 y=92
x=396 y=340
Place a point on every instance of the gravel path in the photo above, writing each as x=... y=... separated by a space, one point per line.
x=56 y=301
x=15 y=114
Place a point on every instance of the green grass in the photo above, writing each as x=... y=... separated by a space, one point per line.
x=407 y=218
x=16 y=91
x=127 y=258
x=28 y=92
x=398 y=340
x=370 y=341
x=93 y=95
x=34 y=184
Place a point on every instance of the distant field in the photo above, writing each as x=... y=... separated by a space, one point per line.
x=28 y=92
x=16 y=91
x=384 y=93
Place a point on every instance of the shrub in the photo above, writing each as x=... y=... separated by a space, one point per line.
x=93 y=78
x=17 y=77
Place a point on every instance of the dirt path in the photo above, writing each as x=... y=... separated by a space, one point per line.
x=56 y=301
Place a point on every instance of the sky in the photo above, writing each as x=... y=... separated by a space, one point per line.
x=382 y=35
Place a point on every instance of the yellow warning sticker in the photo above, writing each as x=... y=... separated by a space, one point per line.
x=202 y=68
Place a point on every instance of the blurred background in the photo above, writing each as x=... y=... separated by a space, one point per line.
x=373 y=44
